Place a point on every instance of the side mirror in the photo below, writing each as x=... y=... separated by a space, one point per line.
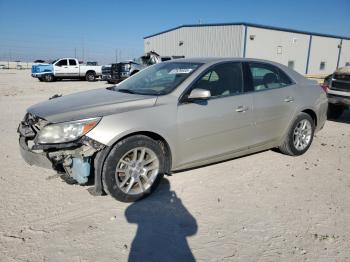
x=199 y=94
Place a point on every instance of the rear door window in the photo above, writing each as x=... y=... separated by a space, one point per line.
x=72 y=62
x=266 y=76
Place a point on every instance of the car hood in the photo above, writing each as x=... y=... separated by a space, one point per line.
x=87 y=104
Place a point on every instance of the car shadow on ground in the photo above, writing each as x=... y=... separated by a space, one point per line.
x=163 y=225
x=344 y=118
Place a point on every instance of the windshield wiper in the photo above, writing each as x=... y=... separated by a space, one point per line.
x=124 y=90
x=129 y=91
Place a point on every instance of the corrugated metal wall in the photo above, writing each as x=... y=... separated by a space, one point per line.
x=285 y=47
x=323 y=50
x=278 y=46
x=345 y=53
x=215 y=41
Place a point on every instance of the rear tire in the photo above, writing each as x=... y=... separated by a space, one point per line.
x=299 y=139
x=123 y=170
x=334 y=111
x=90 y=76
x=40 y=79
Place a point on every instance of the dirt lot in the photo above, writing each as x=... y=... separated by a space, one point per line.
x=263 y=207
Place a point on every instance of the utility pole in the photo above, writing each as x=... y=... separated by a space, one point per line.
x=83 y=48
x=75 y=52
x=10 y=58
x=83 y=54
x=116 y=55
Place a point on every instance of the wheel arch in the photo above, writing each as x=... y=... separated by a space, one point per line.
x=154 y=136
x=311 y=113
x=90 y=71
x=100 y=157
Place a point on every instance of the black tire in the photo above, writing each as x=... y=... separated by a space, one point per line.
x=40 y=79
x=90 y=76
x=49 y=78
x=288 y=147
x=334 y=111
x=110 y=184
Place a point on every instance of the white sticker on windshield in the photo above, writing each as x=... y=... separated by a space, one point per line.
x=180 y=71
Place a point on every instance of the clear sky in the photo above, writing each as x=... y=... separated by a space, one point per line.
x=43 y=29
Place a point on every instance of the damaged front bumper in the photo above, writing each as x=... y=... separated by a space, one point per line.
x=73 y=158
x=33 y=158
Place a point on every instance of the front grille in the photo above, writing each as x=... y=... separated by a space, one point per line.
x=120 y=67
x=106 y=71
x=340 y=86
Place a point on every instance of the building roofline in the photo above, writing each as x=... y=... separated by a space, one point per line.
x=251 y=25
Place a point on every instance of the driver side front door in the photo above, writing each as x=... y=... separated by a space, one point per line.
x=220 y=125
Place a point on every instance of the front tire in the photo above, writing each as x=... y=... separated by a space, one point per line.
x=134 y=168
x=299 y=137
x=49 y=78
x=334 y=111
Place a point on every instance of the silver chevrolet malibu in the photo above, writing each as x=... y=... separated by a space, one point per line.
x=169 y=117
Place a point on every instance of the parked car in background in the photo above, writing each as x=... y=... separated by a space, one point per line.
x=338 y=89
x=172 y=116
x=39 y=61
x=121 y=71
x=65 y=68
x=106 y=73
x=19 y=67
x=4 y=67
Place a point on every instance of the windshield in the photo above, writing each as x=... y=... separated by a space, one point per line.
x=54 y=61
x=159 y=79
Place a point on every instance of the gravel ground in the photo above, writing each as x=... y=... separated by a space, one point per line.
x=262 y=207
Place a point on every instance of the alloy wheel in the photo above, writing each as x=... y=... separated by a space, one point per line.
x=302 y=134
x=137 y=170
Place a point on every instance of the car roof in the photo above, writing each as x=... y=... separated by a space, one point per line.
x=220 y=59
x=213 y=60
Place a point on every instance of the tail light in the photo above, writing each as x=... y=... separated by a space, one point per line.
x=325 y=87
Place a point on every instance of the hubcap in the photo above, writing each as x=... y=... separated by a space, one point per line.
x=137 y=170
x=302 y=134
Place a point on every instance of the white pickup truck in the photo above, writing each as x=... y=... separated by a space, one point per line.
x=65 y=68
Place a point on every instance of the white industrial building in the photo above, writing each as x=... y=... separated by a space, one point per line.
x=306 y=52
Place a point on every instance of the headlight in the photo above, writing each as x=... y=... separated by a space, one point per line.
x=66 y=132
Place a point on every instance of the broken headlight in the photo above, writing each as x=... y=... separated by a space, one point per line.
x=66 y=132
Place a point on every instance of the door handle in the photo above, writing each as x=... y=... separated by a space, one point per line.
x=289 y=99
x=65 y=67
x=241 y=109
